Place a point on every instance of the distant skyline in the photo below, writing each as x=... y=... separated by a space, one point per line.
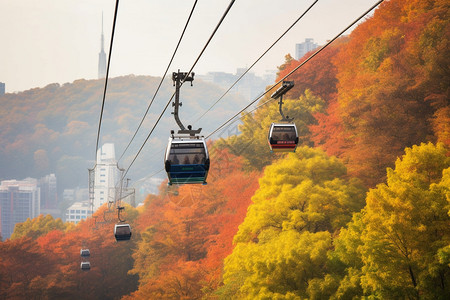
x=51 y=41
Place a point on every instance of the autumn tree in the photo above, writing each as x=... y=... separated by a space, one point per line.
x=393 y=84
x=406 y=223
x=318 y=75
x=20 y=263
x=281 y=247
x=45 y=263
x=397 y=247
x=37 y=227
x=186 y=231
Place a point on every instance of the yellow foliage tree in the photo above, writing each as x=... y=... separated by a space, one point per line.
x=282 y=245
x=407 y=228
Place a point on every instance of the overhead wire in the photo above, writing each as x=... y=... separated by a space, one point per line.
x=262 y=55
x=106 y=78
x=265 y=52
x=296 y=68
x=182 y=82
x=162 y=79
x=278 y=82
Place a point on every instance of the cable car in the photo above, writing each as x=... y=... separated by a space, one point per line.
x=187 y=160
x=85 y=253
x=85 y=266
x=283 y=137
x=122 y=232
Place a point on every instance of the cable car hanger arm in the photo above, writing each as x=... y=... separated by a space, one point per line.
x=283 y=89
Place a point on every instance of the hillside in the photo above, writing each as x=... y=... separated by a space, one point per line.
x=54 y=129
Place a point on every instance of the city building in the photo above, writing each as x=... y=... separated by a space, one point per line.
x=106 y=176
x=249 y=86
x=303 y=48
x=77 y=212
x=102 y=57
x=49 y=195
x=19 y=200
x=2 y=88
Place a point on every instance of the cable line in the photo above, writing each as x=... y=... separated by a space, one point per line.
x=290 y=73
x=190 y=71
x=296 y=68
x=162 y=80
x=287 y=30
x=106 y=78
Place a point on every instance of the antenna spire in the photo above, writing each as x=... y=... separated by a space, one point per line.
x=102 y=56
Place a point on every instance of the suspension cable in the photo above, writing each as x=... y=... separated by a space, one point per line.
x=285 y=32
x=290 y=73
x=268 y=49
x=296 y=68
x=106 y=78
x=190 y=71
x=162 y=80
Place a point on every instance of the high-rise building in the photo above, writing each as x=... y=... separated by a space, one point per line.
x=19 y=200
x=49 y=195
x=102 y=57
x=106 y=175
x=303 y=48
x=2 y=88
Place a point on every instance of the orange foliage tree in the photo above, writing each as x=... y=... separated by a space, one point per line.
x=48 y=267
x=188 y=230
x=392 y=90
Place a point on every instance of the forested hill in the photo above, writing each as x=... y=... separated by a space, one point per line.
x=54 y=129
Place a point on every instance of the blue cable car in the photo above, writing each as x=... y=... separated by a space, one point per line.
x=187 y=160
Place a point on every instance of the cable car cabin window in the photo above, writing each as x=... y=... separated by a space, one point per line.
x=283 y=133
x=123 y=230
x=187 y=153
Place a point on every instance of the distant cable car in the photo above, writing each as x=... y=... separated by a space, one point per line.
x=187 y=160
x=283 y=137
x=85 y=266
x=122 y=232
x=85 y=253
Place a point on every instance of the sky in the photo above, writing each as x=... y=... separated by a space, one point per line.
x=58 y=41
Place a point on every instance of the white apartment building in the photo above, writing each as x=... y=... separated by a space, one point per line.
x=107 y=176
x=77 y=212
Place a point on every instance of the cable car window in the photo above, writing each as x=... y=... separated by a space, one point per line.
x=283 y=133
x=122 y=230
x=187 y=153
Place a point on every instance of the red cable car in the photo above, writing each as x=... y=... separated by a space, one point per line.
x=283 y=137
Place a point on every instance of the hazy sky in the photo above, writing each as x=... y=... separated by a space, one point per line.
x=47 y=41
